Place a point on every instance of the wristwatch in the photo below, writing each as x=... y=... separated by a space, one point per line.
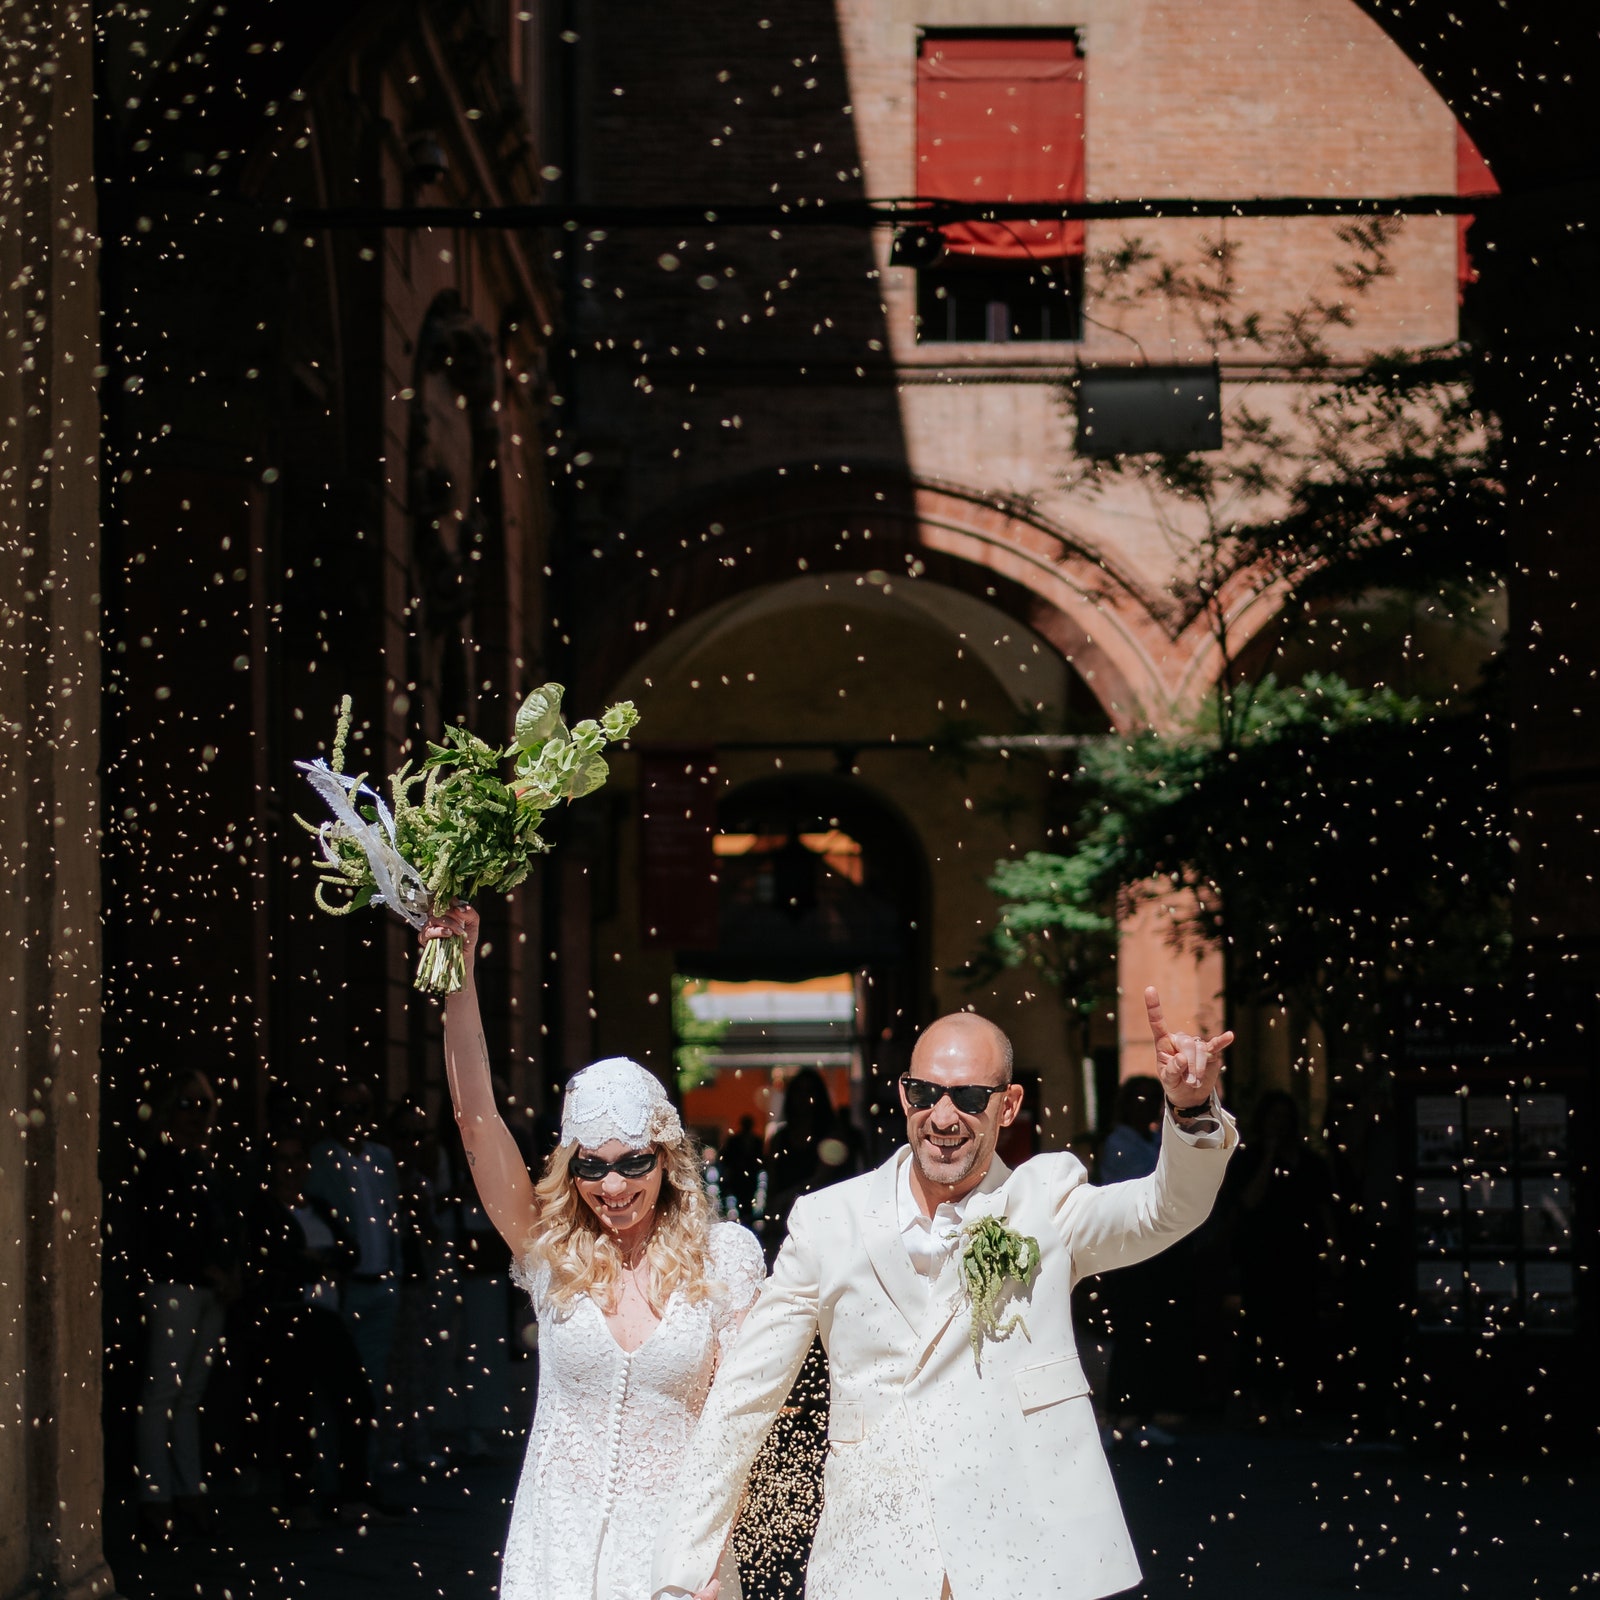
x=1206 y=1108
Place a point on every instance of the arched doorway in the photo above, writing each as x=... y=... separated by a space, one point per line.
x=690 y=561
x=916 y=732
x=820 y=959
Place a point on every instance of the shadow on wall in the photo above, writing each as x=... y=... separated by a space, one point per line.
x=725 y=355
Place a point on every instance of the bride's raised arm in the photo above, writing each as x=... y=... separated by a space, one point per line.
x=498 y=1170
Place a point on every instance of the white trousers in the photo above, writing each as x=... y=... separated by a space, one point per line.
x=184 y=1325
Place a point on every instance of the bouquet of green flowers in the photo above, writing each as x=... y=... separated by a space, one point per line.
x=470 y=828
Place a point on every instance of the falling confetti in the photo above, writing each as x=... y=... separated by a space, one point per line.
x=761 y=369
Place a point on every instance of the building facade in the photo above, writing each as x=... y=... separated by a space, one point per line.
x=828 y=478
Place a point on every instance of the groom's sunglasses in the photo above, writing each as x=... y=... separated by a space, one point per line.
x=970 y=1099
x=633 y=1165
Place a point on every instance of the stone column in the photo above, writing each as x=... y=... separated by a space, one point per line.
x=1190 y=981
x=50 y=1450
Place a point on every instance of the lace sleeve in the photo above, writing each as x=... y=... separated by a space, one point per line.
x=741 y=1269
x=532 y=1276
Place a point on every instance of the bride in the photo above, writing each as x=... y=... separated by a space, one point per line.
x=637 y=1293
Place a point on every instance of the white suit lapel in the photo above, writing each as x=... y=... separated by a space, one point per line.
x=885 y=1248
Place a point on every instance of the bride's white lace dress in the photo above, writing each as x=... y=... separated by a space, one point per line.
x=609 y=1433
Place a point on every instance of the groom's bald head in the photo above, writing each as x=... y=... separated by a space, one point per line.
x=964 y=1039
x=952 y=1148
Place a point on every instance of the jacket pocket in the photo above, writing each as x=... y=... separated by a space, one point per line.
x=1050 y=1383
x=847 y=1423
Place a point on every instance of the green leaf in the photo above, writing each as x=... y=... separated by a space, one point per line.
x=588 y=777
x=620 y=720
x=539 y=716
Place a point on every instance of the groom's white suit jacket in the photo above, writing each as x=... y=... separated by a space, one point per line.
x=989 y=1471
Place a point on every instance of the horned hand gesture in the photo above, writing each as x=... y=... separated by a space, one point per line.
x=1187 y=1066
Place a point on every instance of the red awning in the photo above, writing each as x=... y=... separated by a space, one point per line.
x=1473 y=177
x=1002 y=119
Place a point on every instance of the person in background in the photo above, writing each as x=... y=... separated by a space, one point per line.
x=723 y=1206
x=406 y=1424
x=189 y=1276
x=741 y=1167
x=354 y=1178
x=1133 y=1146
x=805 y=1153
x=304 y=1363
x=1019 y=1142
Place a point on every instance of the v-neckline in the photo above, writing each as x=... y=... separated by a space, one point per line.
x=621 y=1347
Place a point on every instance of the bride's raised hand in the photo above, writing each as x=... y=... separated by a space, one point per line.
x=459 y=922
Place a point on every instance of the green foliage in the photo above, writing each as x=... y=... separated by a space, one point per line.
x=1349 y=845
x=993 y=1256
x=1341 y=845
x=1334 y=478
x=1053 y=918
x=471 y=828
x=696 y=1039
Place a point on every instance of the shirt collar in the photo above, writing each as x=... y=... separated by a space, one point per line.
x=908 y=1214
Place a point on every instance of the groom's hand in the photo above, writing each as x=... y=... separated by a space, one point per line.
x=1187 y=1065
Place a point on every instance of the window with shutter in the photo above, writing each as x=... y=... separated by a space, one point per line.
x=1000 y=117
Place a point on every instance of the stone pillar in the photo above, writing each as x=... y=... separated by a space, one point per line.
x=1190 y=981
x=50 y=1451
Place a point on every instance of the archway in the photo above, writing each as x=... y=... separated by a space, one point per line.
x=934 y=726
x=1145 y=666
x=823 y=891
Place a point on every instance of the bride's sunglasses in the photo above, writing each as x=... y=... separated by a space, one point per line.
x=636 y=1164
x=970 y=1099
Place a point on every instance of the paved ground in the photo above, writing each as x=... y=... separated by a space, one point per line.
x=1230 y=1517
x=1218 y=1516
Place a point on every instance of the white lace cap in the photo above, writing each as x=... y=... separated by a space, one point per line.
x=618 y=1099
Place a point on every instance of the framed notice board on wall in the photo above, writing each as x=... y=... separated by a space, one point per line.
x=1493 y=1197
x=1497 y=1138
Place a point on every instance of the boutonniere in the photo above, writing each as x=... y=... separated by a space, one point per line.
x=992 y=1256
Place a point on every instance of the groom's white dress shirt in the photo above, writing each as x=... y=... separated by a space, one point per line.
x=929 y=1240
x=981 y=1471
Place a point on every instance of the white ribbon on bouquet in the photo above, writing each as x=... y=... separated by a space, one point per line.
x=398 y=884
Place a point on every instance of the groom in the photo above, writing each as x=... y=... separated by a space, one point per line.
x=951 y=1475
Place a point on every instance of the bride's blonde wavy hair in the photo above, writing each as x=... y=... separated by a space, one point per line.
x=582 y=1257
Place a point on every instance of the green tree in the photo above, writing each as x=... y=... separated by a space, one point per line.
x=1341 y=845
x=1053 y=919
x=1337 y=478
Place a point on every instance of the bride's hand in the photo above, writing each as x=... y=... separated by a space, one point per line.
x=459 y=922
x=710 y=1591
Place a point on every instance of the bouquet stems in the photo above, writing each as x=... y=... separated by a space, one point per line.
x=442 y=966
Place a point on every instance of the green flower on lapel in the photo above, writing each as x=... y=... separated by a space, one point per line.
x=993 y=1256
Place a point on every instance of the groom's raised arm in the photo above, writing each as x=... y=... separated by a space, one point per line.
x=751 y=1385
x=1116 y=1224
